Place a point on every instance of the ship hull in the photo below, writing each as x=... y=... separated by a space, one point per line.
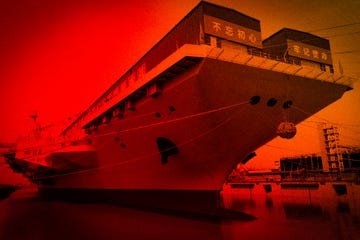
x=208 y=117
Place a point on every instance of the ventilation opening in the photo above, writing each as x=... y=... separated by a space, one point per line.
x=166 y=148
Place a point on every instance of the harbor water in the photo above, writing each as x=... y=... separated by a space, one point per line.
x=280 y=214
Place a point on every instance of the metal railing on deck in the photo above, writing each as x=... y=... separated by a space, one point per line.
x=287 y=65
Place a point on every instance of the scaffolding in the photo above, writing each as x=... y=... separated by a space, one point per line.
x=333 y=149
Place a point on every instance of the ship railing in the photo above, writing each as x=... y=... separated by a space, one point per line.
x=290 y=66
x=258 y=59
x=261 y=53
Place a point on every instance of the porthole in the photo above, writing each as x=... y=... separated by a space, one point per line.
x=271 y=102
x=255 y=100
x=157 y=114
x=287 y=104
x=172 y=108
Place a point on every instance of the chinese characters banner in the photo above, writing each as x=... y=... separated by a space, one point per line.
x=309 y=52
x=231 y=31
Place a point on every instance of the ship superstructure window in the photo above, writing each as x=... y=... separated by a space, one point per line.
x=207 y=39
x=118 y=111
x=329 y=69
x=212 y=41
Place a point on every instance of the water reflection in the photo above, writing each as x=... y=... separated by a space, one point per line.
x=303 y=211
x=269 y=203
x=343 y=207
x=291 y=214
x=29 y=218
x=330 y=211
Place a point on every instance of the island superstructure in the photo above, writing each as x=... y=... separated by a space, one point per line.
x=171 y=129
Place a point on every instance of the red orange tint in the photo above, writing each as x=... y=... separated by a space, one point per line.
x=58 y=57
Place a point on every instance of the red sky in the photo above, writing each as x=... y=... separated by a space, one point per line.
x=58 y=56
